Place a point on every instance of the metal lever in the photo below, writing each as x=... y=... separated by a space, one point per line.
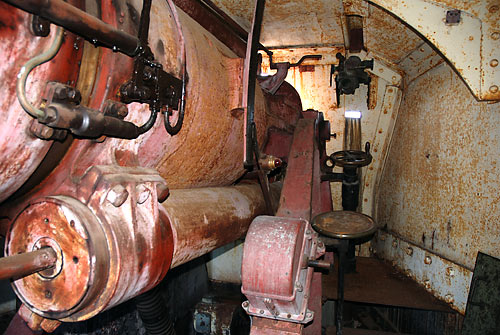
x=22 y=265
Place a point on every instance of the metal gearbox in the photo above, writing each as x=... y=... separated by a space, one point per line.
x=276 y=277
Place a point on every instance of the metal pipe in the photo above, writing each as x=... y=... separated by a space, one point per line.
x=28 y=67
x=21 y=265
x=207 y=218
x=82 y=24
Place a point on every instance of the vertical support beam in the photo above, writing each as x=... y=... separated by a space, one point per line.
x=250 y=80
x=303 y=196
x=380 y=147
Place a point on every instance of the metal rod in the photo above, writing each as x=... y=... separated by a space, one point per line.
x=82 y=24
x=340 y=287
x=21 y=265
x=249 y=80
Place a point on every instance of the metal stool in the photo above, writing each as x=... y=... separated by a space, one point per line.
x=336 y=230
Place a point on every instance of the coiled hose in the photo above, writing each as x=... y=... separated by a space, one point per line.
x=154 y=313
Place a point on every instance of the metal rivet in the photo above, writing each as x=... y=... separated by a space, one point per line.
x=495 y=35
x=48 y=294
x=494 y=89
x=394 y=244
x=288 y=315
x=427 y=284
x=450 y=272
x=449 y=298
x=494 y=62
x=261 y=311
x=428 y=260
x=409 y=251
x=245 y=304
x=46 y=220
x=298 y=286
x=493 y=9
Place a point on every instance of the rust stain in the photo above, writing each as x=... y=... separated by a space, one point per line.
x=449 y=192
x=393 y=46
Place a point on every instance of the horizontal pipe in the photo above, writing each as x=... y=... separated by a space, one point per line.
x=82 y=24
x=21 y=265
x=207 y=218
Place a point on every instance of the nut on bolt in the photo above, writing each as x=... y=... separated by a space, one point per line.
x=117 y=195
x=162 y=192
x=142 y=193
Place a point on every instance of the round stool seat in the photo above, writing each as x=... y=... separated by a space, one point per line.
x=344 y=225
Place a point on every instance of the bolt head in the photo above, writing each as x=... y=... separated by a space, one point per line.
x=162 y=192
x=117 y=195
x=142 y=193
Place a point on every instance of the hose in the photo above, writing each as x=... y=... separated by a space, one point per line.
x=173 y=130
x=28 y=67
x=153 y=313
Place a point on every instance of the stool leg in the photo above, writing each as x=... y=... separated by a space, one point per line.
x=340 y=287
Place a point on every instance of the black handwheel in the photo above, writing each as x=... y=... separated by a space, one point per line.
x=352 y=158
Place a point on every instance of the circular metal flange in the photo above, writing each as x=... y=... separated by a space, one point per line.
x=71 y=229
x=344 y=225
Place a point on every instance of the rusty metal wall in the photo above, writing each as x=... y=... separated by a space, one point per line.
x=440 y=187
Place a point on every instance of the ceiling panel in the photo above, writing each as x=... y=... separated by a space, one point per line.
x=291 y=23
x=309 y=23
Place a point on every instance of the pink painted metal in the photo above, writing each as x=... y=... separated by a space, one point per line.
x=271 y=259
x=22 y=152
x=101 y=199
x=275 y=276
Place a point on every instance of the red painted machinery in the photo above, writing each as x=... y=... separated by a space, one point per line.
x=88 y=174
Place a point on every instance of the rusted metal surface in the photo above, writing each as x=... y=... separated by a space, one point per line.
x=446 y=199
x=95 y=269
x=204 y=219
x=18 y=326
x=292 y=288
x=20 y=265
x=381 y=133
x=441 y=277
x=440 y=186
x=377 y=282
x=211 y=22
x=261 y=326
x=419 y=61
x=299 y=174
x=285 y=21
x=387 y=37
x=344 y=224
x=274 y=272
x=21 y=152
x=214 y=317
x=470 y=46
x=82 y=23
x=99 y=188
